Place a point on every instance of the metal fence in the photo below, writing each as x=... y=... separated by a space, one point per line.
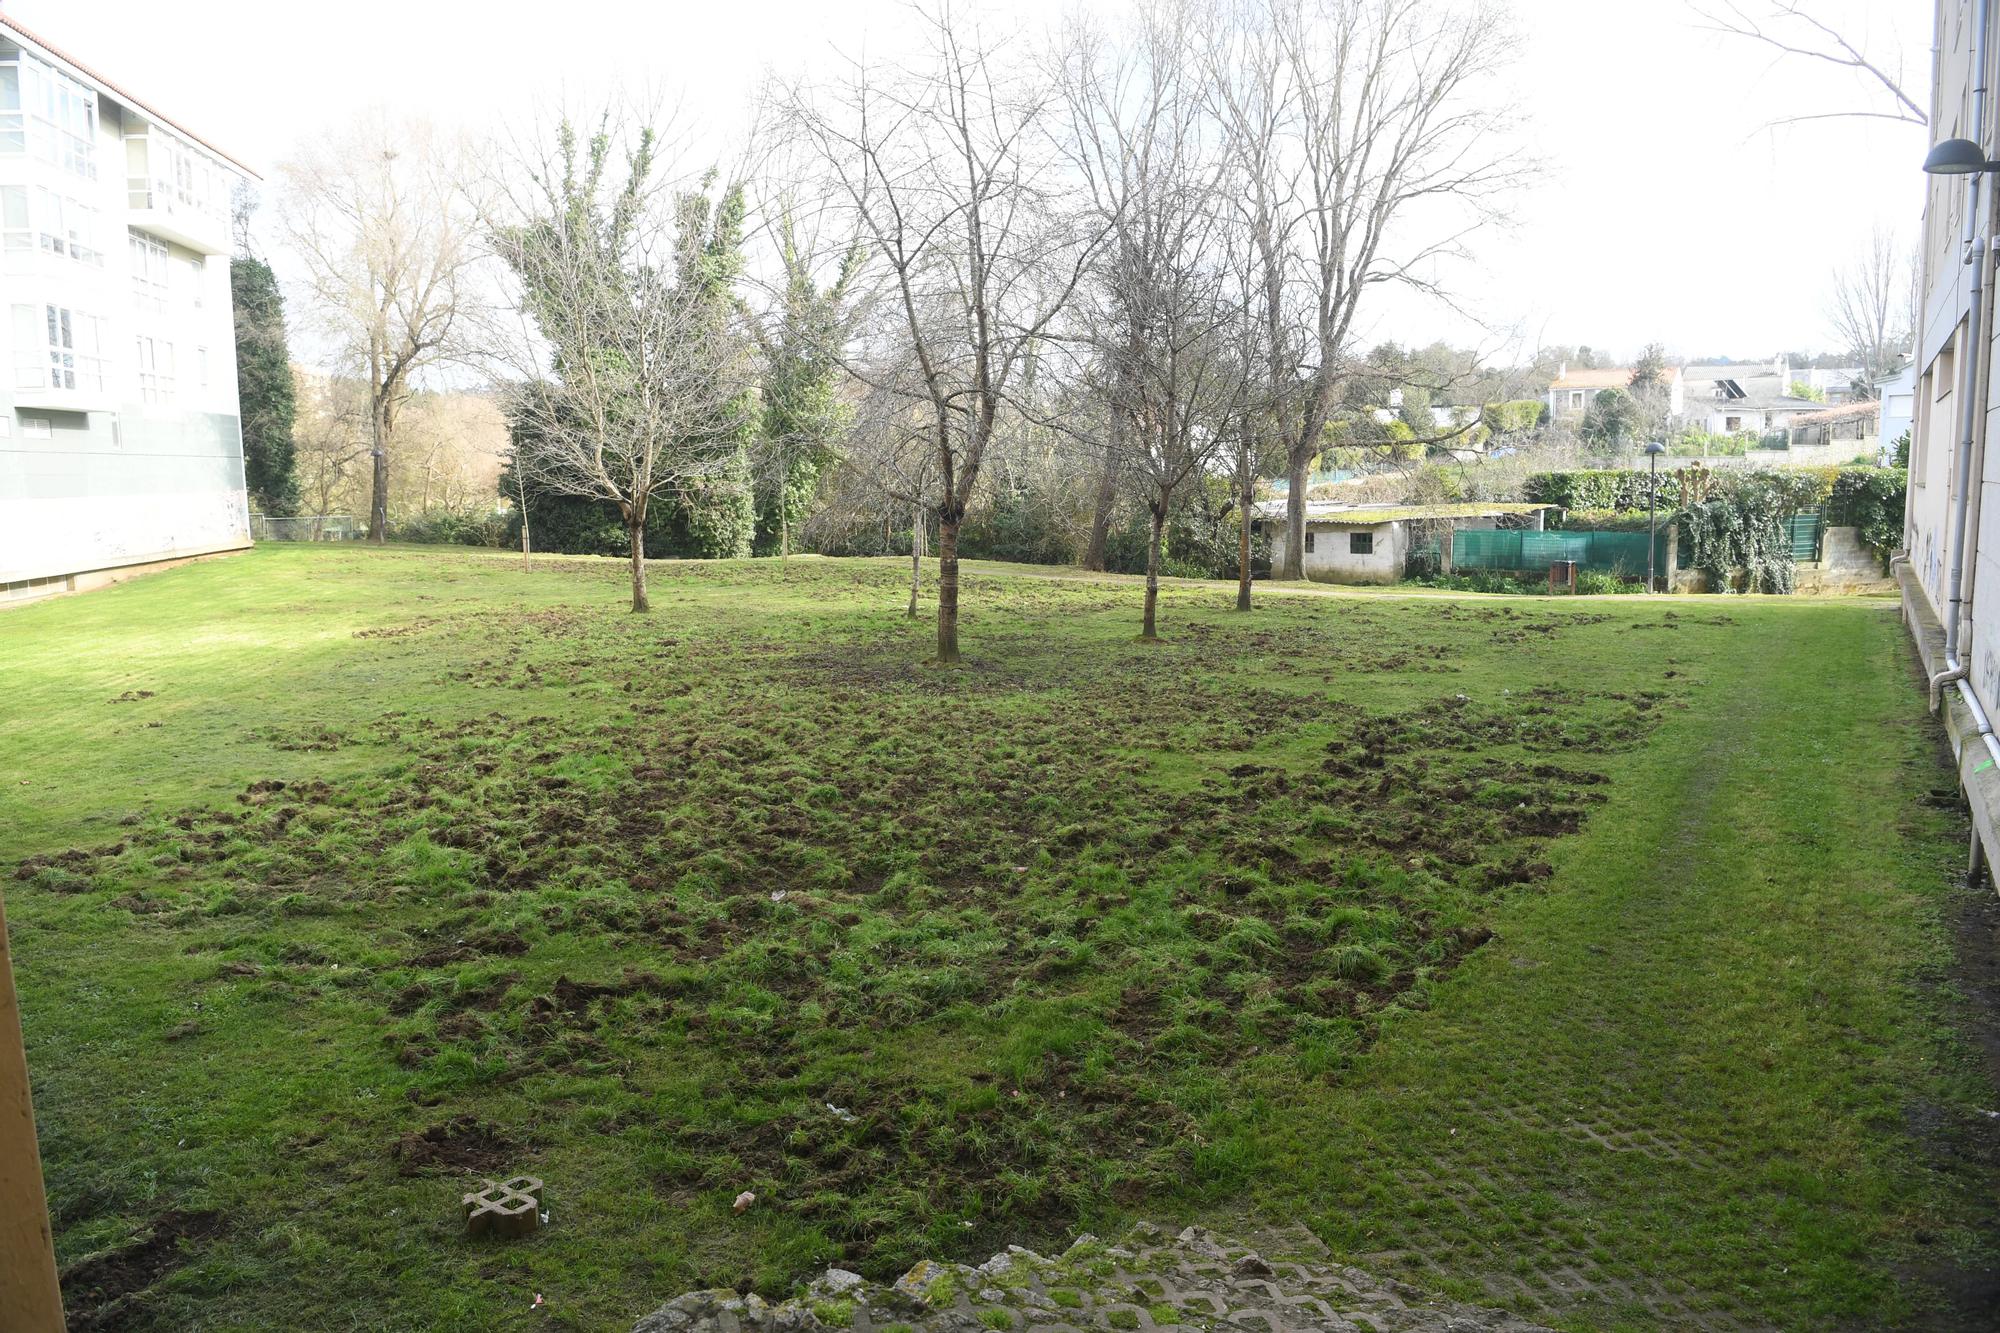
x=306 y=528
x=1533 y=552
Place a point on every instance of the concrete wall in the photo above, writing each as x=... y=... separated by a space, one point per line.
x=111 y=489
x=1845 y=568
x=1331 y=561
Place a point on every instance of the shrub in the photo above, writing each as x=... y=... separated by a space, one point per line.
x=442 y=527
x=1870 y=499
x=1513 y=418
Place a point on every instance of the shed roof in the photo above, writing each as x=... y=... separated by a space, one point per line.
x=1609 y=377
x=1375 y=515
x=1866 y=408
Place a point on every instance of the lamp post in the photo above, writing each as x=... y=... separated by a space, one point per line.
x=1653 y=452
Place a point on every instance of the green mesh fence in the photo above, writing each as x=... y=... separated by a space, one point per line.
x=1612 y=552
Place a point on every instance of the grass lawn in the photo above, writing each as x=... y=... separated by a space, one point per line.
x=1595 y=958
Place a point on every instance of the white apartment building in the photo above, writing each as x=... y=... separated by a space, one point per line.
x=120 y=441
x=1950 y=567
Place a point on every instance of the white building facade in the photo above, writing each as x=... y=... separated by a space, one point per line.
x=120 y=439
x=1950 y=566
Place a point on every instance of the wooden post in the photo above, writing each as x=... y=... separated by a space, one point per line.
x=1444 y=549
x=29 y=1294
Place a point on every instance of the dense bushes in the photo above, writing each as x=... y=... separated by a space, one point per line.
x=1592 y=581
x=1512 y=418
x=712 y=525
x=1027 y=527
x=1620 y=490
x=1743 y=528
x=1734 y=522
x=1021 y=526
x=1870 y=499
x=442 y=527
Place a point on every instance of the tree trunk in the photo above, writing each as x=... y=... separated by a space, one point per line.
x=1159 y=508
x=378 y=503
x=636 y=528
x=916 y=556
x=525 y=544
x=1246 y=488
x=784 y=534
x=1295 y=517
x=947 y=654
x=1107 y=492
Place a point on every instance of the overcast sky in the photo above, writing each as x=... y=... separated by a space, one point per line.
x=1667 y=208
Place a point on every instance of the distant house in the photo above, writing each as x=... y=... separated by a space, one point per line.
x=1573 y=391
x=1839 y=432
x=1370 y=543
x=1754 y=398
x=1898 y=393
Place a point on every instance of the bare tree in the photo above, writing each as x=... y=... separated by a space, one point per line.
x=888 y=468
x=381 y=222
x=646 y=386
x=1869 y=305
x=1155 y=309
x=330 y=438
x=1800 y=31
x=1251 y=95
x=1384 y=157
x=944 y=168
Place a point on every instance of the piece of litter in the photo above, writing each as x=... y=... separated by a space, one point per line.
x=777 y=895
x=744 y=1200
x=538 y=1302
x=842 y=1114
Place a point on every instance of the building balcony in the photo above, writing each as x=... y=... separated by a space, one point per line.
x=64 y=400
x=154 y=208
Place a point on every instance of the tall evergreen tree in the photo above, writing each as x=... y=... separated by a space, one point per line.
x=264 y=386
x=803 y=411
x=722 y=508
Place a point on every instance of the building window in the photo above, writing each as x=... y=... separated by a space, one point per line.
x=60 y=117
x=156 y=370
x=57 y=348
x=196 y=272
x=1361 y=543
x=151 y=266
x=53 y=222
x=1309 y=543
x=16 y=233
x=13 y=136
x=35 y=428
x=1731 y=425
x=1576 y=399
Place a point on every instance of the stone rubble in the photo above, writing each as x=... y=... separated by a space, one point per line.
x=1150 y=1280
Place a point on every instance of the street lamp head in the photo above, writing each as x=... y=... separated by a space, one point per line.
x=1957 y=157
x=1655 y=449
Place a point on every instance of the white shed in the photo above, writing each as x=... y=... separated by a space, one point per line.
x=1370 y=543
